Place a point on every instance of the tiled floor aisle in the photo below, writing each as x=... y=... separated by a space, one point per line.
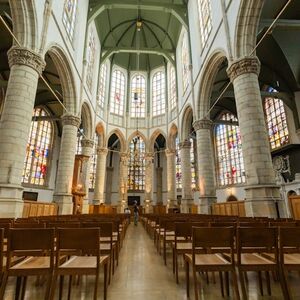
x=141 y=275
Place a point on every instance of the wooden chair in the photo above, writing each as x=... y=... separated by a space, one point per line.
x=83 y=247
x=252 y=242
x=289 y=252
x=37 y=245
x=203 y=259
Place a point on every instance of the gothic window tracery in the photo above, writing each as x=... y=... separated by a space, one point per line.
x=117 y=96
x=138 y=96
x=158 y=94
x=69 y=17
x=102 y=86
x=204 y=9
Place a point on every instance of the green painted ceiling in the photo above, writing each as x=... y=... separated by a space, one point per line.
x=117 y=29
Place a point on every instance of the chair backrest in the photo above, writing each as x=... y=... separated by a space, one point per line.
x=106 y=228
x=261 y=239
x=81 y=241
x=206 y=237
x=5 y=227
x=63 y=225
x=289 y=237
x=1 y=248
x=253 y=224
x=183 y=229
x=29 y=225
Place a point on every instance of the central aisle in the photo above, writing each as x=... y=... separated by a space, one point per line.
x=141 y=274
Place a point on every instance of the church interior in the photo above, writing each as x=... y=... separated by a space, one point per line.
x=149 y=149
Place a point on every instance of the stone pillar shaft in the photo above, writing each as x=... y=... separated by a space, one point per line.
x=185 y=154
x=87 y=150
x=100 y=175
x=149 y=163
x=206 y=166
x=63 y=189
x=25 y=68
x=171 y=177
x=261 y=191
x=159 y=183
x=123 y=178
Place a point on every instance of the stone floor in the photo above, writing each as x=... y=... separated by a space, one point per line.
x=141 y=275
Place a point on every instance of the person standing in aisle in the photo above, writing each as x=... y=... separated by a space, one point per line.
x=136 y=214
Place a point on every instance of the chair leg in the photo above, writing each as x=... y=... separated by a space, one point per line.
x=53 y=287
x=96 y=286
x=173 y=260
x=195 y=283
x=18 y=287
x=61 y=286
x=242 y=281
x=227 y=283
x=3 y=285
x=284 y=285
x=260 y=283
x=105 y=282
x=23 y=290
x=221 y=283
x=268 y=283
x=48 y=287
x=235 y=285
x=70 y=287
x=176 y=268
x=187 y=278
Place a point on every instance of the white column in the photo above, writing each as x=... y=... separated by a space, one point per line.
x=25 y=68
x=206 y=166
x=123 y=178
x=159 y=185
x=87 y=150
x=63 y=189
x=149 y=164
x=187 y=198
x=171 y=177
x=262 y=193
x=100 y=175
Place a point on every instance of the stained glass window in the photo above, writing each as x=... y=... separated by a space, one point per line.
x=185 y=62
x=172 y=88
x=178 y=166
x=102 y=85
x=229 y=152
x=193 y=164
x=69 y=16
x=204 y=9
x=138 y=96
x=158 y=94
x=38 y=148
x=117 y=95
x=136 y=168
x=79 y=139
x=93 y=164
x=276 y=121
x=91 y=60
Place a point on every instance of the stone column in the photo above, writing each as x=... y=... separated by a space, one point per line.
x=187 y=199
x=109 y=184
x=159 y=183
x=171 y=177
x=261 y=192
x=87 y=150
x=123 y=178
x=63 y=189
x=149 y=163
x=206 y=166
x=25 y=68
x=100 y=175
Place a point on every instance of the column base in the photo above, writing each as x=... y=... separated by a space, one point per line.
x=205 y=204
x=264 y=201
x=85 y=206
x=11 y=203
x=65 y=203
x=186 y=205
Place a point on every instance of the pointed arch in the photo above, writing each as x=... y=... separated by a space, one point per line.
x=100 y=132
x=141 y=135
x=121 y=138
x=209 y=73
x=173 y=133
x=154 y=136
x=87 y=120
x=66 y=75
x=186 y=123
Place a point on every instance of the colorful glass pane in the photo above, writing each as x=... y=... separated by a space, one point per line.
x=117 y=95
x=138 y=96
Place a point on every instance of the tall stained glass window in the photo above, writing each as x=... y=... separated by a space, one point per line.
x=185 y=62
x=136 y=169
x=204 y=8
x=178 y=166
x=138 y=96
x=91 y=60
x=158 y=94
x=79 y=139
x=193 y=164
x=69 y=17
x=172 y=88
x=38 y=148
x=102 y=85
x=117 y=95
x=93 y=165
x=229 y=152
x=276 y=121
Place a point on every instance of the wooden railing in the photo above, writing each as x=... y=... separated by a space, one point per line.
x=102 y=209
x=37 y=209
x=294 y=203
x=232 y=208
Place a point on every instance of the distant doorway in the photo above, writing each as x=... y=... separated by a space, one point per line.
x=132 y=200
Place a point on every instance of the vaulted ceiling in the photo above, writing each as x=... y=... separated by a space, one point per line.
x=148 y=27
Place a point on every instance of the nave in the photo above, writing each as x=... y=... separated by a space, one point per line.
x=141 y=274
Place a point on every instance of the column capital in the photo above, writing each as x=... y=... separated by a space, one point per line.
x=185 y=144
x=248 y=64
x=24 y=56
x=102 y=150
x=123 y=157
x=203 y=124
x=149 y=156
x=86 y=143
x=69 y=119
x=170 y=152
